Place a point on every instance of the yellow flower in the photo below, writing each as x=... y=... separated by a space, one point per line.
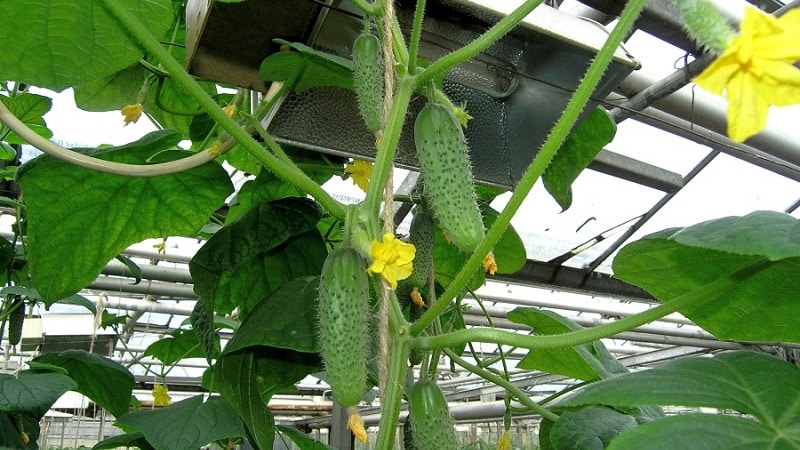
x=356 y=425
x=131 y=113
x=504 y=443
x=416 y=297
x=489 y=264
x=160 y=395
x=230 y=110
x=360 y=171
x=392 y=258
x=756 y=70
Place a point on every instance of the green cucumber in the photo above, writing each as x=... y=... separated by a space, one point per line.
x=431 y=422
x=344 y=324
x=448 y=185
x=368 y=79
x=422 y=236
x=15 y=320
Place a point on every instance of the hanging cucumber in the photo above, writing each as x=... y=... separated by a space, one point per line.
x=422 y=236
x=431 y=422
x=444 y=162
x=15 y=320
x=344 y=329
x=368 y=79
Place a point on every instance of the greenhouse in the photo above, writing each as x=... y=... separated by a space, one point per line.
x=412 y=225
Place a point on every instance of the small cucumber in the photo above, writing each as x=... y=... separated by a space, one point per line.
x=15 y=320
x=444 y=162
x=431 y=422
x=344 y=324
x=368 y=79
x=422 y=235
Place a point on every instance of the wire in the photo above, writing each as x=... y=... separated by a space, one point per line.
x=89 y=162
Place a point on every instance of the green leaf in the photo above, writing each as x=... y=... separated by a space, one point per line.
x=132 y=267
x=265 y=188
x=29 y=109
x=111 y=320
x=79 y=219
x=448 y=261
x=244 y=262
x=186 y=425
x=509 y=252
x=127 y=440
x=32 y=393
x=105 y=382
x=7 y=153
x=58 y=44
x=113 y=92
x=287 y=319
x=589 y=428
x=741 y=268
x=703 y=431
x=175 y=346
x=236 y=379
x=578 y=150
x=307 y=68
x=302 y=440
x=574 y=362
x=752 y=383
x=28 y=289
x=11 y=428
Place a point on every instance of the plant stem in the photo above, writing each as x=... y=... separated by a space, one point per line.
x=416 y=32
x=384 y=158
x=480 y=44
x=539 y=163
x=390 y=406
x=288 y=173
x=502 y=382
x=584 y=336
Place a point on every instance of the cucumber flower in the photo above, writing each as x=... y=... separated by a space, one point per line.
x=131 y=113
x=756 y=70
x=392 y=258
x=504 y=443
x=160 y=395
x=360 y=171
x=489 y=264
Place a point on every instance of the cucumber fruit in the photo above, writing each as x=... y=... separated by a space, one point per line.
x=431 y=423
x=368 y=79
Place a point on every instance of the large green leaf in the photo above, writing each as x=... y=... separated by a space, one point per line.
x=61 y=43
x=236 y=378
x=186 y=425
x=752 y=383
x=287 y=319
x=575 y=362
x=302 y=440
x=578 y=150
x=177 y=345
x=704 y=431
x=265 y=188
x=741 y=269
x=79 y=219
x=29 y=109
x=112 y=92
x=12 y=427
x=246 y=261
x=32 y=393
x=105 y=382
x=589 y=428
x=307 y=68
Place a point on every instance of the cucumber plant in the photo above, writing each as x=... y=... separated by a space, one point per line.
x=301 y=286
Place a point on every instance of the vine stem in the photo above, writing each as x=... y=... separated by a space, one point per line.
x=539 y=163
x=390 y=403
x=502 y=382
x=480 y=44
x=492 y=335
x=289 y=173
